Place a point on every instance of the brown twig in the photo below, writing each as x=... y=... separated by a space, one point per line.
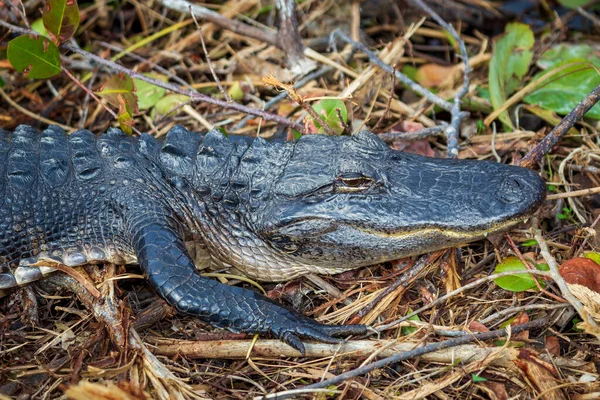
x=208 y=60
x=241 y=28
x=289 y=37
x=461 y=289
x=174 y=88
x=388 y=105
x=529 y=267
x=462 y=340
x=391 y=137
x=543 y=147
x=90 y=93
x=293 y=94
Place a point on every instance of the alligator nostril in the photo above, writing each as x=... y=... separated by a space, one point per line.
x=510 y=190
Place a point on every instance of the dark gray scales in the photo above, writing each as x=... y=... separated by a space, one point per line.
x=271 y=211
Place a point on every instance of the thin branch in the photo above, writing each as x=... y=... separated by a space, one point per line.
x=146 y=61
x=457 y=115
x=241 y=28
x=481 y=336
x=90 y=93
x=543 y=147
x=294 y=96
x=389 y=103
x=283 y=95
x=208 y=60
x=453 y=293
x=169 y=86
x=415 y=87
x=391 y=137
x=559 y=280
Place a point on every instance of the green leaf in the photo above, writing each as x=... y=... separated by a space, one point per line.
x=147 y=93
x=592 y=255
x=236 y=92
x=477 y=378
x=37 y=57
x=562 y=93
x=407 y=330
x=126 y=122
x=529 y=243
x=61 y=19
x=518 y=282
x=510 y=62
x=170 y=102
x=574 y=3
x=562 y=54
x=118 y=92
x=38 y=26
x=326 y=108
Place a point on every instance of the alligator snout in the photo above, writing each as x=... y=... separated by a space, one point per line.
x=521 y=189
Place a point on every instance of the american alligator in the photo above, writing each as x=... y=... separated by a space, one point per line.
x=272 y=211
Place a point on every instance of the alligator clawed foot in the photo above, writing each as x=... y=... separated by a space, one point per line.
x=310 y=329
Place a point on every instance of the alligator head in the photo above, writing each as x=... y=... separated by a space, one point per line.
x=326 y=204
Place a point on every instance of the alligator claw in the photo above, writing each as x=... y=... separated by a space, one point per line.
x=290 y=332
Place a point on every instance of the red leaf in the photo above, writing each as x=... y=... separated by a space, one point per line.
x=582 y=271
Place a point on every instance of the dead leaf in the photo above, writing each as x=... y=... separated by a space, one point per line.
x=541 y=374
x=476 y=326
x=582 y=271
x=499 y=389
x=553 y=345
x=431 y=75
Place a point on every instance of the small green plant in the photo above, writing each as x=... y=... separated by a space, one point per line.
x=328 y=110
x=566 y=214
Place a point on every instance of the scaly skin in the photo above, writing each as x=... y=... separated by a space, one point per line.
x=270 y=211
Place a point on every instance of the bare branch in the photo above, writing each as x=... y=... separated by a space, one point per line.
x=169 y=86
x=231 y=25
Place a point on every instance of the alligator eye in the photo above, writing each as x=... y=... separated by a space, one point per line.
x=353 y=182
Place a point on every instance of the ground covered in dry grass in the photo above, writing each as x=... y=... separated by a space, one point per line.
x=538 y=340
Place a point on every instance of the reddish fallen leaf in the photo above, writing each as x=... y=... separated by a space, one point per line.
x=498 y=388
x=476 y=326
x=582 y=271
x=431 y=75
x=552 y=345
x=427 y=295
x=519 y=320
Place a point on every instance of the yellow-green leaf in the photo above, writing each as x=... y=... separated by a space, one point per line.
x=147 y=93
x=118 y=91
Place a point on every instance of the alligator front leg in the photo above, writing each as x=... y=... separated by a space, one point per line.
x=170 y=270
